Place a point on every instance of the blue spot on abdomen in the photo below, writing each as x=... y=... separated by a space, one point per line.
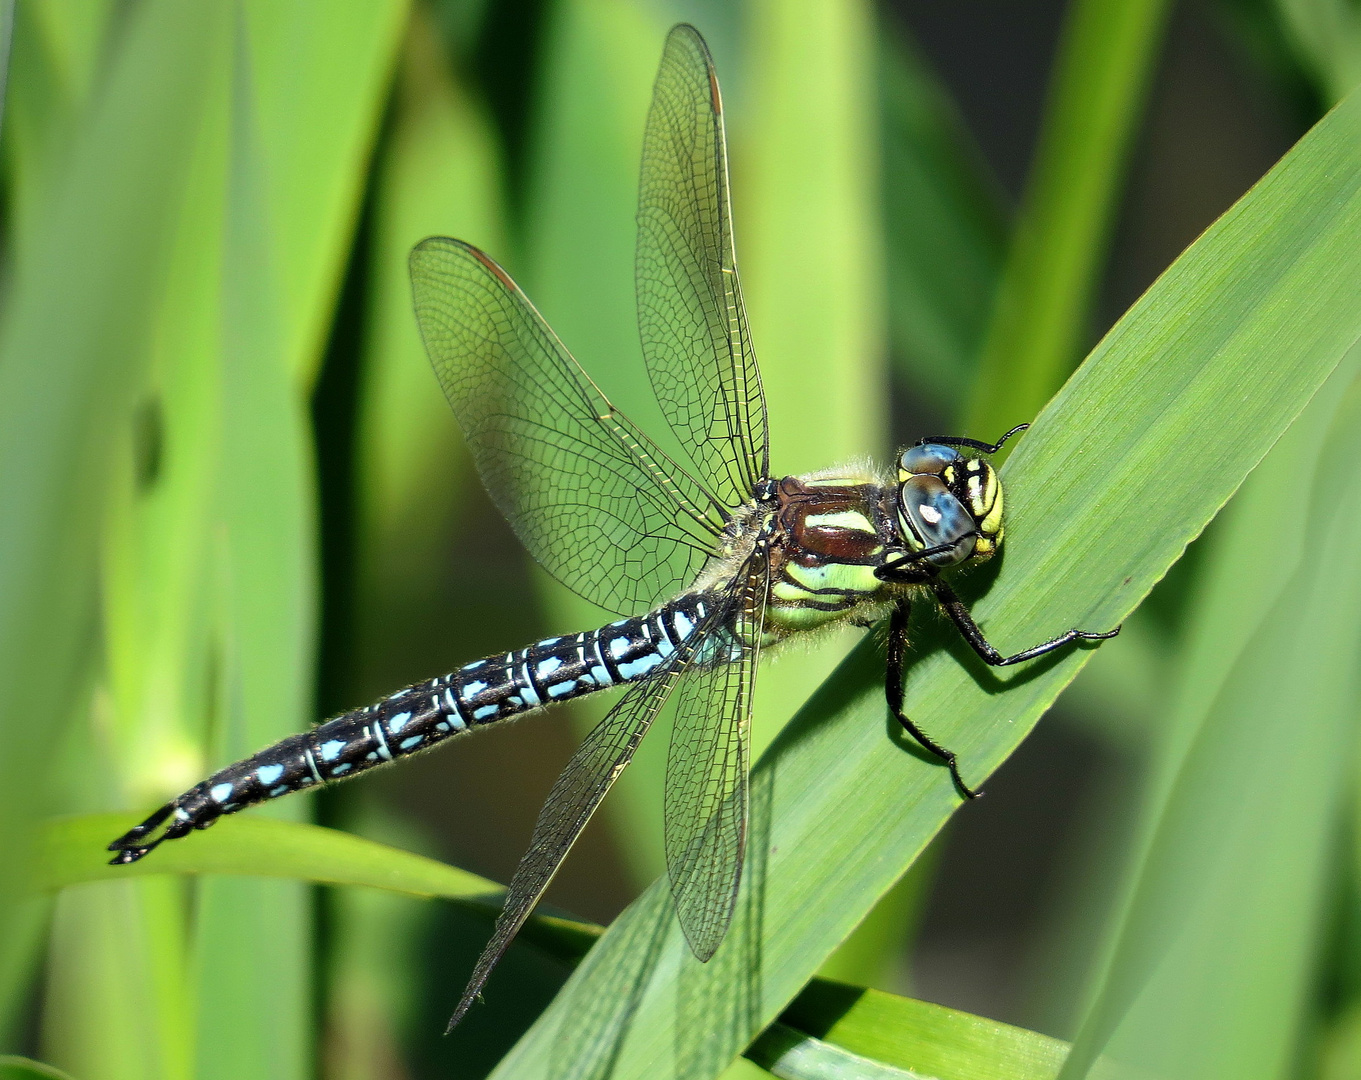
x=330 y=749
x=269 y=773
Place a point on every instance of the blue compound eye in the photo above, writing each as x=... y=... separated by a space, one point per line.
x=932 y=517
x=931 y=459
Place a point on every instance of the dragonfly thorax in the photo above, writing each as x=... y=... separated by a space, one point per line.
x=842 y=543
x=830 y=534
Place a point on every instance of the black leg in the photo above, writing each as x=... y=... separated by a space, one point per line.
x=974 y=444
x=960 y=616
x=900 y=567
x=894 y=672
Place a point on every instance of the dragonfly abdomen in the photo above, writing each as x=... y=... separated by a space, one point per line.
x=496 y=688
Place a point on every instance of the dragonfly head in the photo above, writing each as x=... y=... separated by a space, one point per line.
x=945 y=498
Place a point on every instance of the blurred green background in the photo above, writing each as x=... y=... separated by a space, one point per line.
x=233 y=501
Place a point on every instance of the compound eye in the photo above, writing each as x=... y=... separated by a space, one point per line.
x=931 y=459
x=933 y=517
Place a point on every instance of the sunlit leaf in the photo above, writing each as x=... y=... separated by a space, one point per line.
x=1218 y=944
x=72 y=852
x=1220 y=356
x=927 y=1039
x=80 y=311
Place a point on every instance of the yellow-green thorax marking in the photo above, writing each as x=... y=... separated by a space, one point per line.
x=833 y=534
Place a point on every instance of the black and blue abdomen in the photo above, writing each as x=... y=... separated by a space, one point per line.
x=421 y=716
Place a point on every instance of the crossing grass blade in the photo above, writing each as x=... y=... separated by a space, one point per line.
x=1039 y=326
x=928 y=1039
x=792 y=1055
x=1209 y=368
x=70 y=853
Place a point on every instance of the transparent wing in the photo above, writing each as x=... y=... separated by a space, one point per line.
x=690 y=313
x=590 y=774
x=598 y=505
x=706 y=770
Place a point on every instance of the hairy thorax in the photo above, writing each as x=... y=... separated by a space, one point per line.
x=830 y=532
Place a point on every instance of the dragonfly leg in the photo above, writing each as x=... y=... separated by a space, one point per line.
x=959 y=615
x=972 y=444
x=901 y=567
x=894 y=672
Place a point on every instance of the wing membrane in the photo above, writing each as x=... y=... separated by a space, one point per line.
x=706 y=771
x=690 y=313
x=598 y=505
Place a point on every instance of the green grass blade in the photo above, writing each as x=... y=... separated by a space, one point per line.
x=873 y=955
x=118 y=1001
x=265 y=616
x=55 y=63
x=1237 y=593
x=318 y=111
x=808 y=231
x=71 y=852
x=923 y=1037
x=1233 y=591
x=1217 y=948
x=115 y=981
x=17 y=1068
x=290 y=205
x=1326 y=35
x=791 y=1055
x=1039 y=326
x=1215 y=361
x=81 y=308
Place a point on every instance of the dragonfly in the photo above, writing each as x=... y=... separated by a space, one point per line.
x=706 y=556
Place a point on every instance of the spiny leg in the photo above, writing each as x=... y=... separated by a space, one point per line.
x=894 y=673
x=959 y=615
x=902 y=566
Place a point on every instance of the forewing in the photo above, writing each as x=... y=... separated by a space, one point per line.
x=706 y=771
x=690 y=313
x=598 y=505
